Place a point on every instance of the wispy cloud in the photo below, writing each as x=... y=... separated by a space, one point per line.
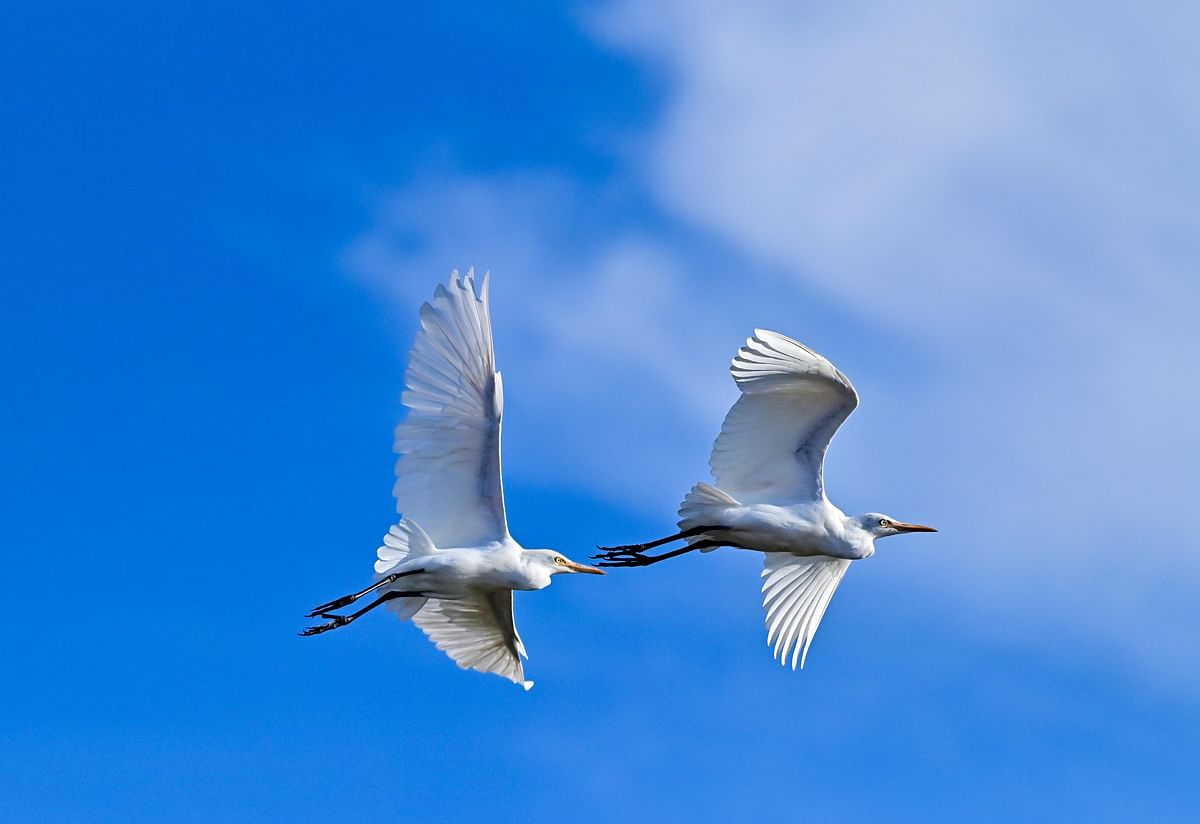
x=1014 y=187
x=997 y=202
x=944 y=157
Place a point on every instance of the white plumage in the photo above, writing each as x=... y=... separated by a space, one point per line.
x=795 y=594
x=448 y=473
x=768 y=463
x=478 y=632
x=772 y=444
x=450 y=564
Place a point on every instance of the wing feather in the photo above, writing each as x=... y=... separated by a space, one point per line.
x=774 y=602
x=796 y=593
x=773 y=442
x=478 y=632
x=448 y=476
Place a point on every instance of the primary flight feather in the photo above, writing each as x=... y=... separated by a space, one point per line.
x=450 y=564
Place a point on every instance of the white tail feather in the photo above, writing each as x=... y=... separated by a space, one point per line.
x=703 y=506
x=404 y=540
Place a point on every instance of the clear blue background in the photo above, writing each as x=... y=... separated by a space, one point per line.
x=199 y=396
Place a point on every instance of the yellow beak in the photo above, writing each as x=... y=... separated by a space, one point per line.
x=574 y=567
x=912 y=527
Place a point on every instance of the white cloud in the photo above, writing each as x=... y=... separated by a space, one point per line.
x=1014 y=187
x=1000 y=202
x=924 y=160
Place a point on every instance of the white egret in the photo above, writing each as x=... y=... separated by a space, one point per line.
x=768 y=463
x=450 y=564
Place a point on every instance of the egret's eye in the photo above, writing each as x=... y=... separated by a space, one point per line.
x=884 y=522
x=560 y=560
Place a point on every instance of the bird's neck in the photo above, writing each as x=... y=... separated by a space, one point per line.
x=862 y=541
x=533 y=573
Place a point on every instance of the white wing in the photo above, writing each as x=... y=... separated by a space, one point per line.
x=795 y=594
x=448 y=474
x=478 y=632
x=772 y=445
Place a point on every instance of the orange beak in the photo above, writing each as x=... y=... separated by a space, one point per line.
x=574 y=567
x=912 y=527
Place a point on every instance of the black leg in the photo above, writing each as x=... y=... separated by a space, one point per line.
x=635 y=548
x=343 y=620
x=347 y=600
x=637 y=559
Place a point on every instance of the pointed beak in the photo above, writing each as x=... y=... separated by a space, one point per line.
x=574 y=567
x=913 y=527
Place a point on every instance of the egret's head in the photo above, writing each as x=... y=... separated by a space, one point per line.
x=885 y=526
x=554 y=562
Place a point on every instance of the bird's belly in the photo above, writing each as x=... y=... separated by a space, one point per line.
x=779 y=529
x=453 y=574
x=795 y=542
x=432 y=585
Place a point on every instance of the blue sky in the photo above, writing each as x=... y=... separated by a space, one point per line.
x=219 y=225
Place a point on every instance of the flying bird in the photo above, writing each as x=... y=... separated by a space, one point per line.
x=768 y=463
x=450 y=564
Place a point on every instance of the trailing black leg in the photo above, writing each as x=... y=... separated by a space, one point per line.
x=637 y=559
x=342 y=620
x=347 y=600
x=631 y=549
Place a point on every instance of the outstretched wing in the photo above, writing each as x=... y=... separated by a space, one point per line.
x=795 y=594
x=772 y=444
x=478 y=632
x=448 y=474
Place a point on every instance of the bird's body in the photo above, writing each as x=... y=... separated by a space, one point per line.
x=450 y=564
x=768 y=463
x=457 y=572
x=814 y=528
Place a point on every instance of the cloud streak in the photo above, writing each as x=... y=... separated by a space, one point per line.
x=1006 y=187
x=982 y=216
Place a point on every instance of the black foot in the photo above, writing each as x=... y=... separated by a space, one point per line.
x=344 y=601
x=627 y=549
x=634 y=551
x=337 y=621
x=631 y=561
x=624 y=556
x=633 y=555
